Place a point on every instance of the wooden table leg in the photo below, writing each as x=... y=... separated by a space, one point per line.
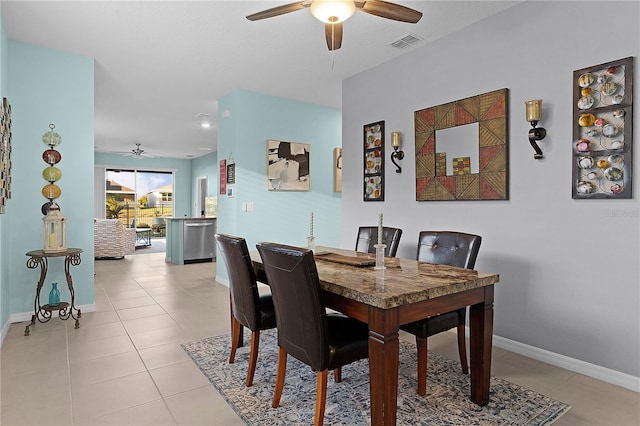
x=384 y=348
x=481 y=323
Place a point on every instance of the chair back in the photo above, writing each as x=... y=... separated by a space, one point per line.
x=449 y=248
x=300 y=315
x=245 y=300
x=368 y=238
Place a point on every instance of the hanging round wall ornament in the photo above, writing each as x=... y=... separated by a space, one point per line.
x=51 y=138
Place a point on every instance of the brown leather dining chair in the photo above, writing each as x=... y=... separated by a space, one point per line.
x=368 y=238
x=305 y=330
x=444 y=248
x=248 y=307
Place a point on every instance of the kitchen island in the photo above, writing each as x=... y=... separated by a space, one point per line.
x=190 y=240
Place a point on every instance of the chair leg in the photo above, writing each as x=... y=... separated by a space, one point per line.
x=235 y=338
x=253 y=356
x=321 y=397
x=282 y=370
x=337 y=375
x=462 y=349
x=421 y=344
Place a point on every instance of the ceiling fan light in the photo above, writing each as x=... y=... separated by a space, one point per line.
x=332 y=11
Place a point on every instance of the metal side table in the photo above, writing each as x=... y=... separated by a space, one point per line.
x=43 y=313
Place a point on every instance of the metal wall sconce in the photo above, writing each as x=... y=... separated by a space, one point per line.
x=399 y=155
x=534 y=112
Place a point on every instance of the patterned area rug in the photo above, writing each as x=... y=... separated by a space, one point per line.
x=446 y=403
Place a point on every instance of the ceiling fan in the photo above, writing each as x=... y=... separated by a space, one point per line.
x=138 y=153
x=334 y=12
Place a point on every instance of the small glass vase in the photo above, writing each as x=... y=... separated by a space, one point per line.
x=311 y=243
x=380 y=256
x=54 y=295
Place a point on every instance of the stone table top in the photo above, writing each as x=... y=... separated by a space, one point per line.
x=404 y=281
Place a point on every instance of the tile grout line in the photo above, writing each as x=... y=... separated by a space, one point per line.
x=146 y=367
x=66 y=337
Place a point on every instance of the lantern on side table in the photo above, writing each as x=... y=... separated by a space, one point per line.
x=55 y=230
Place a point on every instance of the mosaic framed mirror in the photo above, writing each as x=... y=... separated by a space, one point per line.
x=462 y=149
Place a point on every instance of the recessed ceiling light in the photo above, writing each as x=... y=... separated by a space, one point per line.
x=205 y=124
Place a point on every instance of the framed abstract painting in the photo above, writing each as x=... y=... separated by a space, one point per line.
x=288 y=166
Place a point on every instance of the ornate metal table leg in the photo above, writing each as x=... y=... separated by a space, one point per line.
x=32 y=263
x=72 y=259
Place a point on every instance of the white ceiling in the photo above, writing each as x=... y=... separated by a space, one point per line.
x=158 y=64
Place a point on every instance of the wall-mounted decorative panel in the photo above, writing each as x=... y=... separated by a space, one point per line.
x=603 y=130
x=5 y=154
x=337 y=169
x=374 y=162
x=480 y=170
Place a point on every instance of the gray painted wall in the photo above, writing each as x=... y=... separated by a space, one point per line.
x=569 y=268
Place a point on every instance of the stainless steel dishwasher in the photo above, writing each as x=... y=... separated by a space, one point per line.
x=199 y=241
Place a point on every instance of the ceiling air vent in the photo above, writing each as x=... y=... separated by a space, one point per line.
x=406 y=41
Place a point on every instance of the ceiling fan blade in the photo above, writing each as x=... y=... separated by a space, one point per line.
x=385 y=9
x=279 y=10
x=333 y=34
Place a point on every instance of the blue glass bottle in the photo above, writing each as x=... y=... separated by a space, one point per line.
x=54 y=295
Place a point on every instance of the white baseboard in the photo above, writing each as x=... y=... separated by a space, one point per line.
x=597 y=372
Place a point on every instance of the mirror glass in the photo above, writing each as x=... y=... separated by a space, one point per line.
x=459 y=141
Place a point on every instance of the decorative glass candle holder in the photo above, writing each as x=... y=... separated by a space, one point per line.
x=311 y=243
x=380 y=256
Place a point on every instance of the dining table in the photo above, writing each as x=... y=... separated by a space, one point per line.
x=405 y=290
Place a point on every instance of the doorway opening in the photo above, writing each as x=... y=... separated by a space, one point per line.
x=139 y=198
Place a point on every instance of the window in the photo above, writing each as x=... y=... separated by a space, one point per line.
x=138 y=197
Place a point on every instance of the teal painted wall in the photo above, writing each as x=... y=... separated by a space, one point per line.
x=49 y=86
x=4 y=283
x=278 y=216
x=181 y=185
x=207 y=165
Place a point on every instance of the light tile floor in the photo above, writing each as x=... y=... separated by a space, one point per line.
x=125 y=366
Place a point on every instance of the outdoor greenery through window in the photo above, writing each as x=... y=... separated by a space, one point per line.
x=139 y=198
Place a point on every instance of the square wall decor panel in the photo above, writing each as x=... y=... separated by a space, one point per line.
x=479 y=154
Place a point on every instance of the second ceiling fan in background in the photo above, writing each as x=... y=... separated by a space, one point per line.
x=334 y=12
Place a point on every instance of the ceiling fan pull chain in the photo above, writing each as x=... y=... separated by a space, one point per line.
x=333 y=62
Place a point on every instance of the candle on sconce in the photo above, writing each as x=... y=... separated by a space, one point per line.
x=533 y=110
x=311 y=226
x=380 y=229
